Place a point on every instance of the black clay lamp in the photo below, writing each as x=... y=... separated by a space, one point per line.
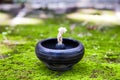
x=59 y=54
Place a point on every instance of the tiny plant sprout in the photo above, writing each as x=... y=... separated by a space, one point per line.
x=60 y=44
x=4 y=35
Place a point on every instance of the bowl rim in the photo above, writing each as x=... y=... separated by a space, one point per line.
x=76 y=49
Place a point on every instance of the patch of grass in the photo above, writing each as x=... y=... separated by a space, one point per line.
x=100 y=17
x=27 y=21
x=22 y=62
x=4 y=18
x=96 y=12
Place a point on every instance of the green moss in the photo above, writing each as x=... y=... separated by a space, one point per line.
x=22 y=63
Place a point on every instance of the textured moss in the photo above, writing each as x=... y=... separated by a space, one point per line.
x=101 y=60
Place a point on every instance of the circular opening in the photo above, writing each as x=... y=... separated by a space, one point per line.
x=51 y=43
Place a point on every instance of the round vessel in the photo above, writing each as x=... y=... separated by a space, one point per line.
x=59 y=59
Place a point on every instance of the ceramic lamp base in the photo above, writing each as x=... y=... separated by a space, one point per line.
x=59 y=59
x=59 y=67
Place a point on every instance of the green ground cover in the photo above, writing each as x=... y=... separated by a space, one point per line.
x=100 y=17
x=100 y=62
x=4 y=18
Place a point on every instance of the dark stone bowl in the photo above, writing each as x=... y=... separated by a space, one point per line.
x=56 y=59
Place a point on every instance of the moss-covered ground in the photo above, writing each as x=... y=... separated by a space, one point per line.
x=100 y=62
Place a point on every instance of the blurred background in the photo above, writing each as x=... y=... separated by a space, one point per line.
x=49 y=8
x=95 y=23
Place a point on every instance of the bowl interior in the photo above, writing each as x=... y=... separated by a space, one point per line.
x=51 y=43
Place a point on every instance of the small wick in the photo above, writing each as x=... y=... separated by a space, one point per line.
x=60 y=33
